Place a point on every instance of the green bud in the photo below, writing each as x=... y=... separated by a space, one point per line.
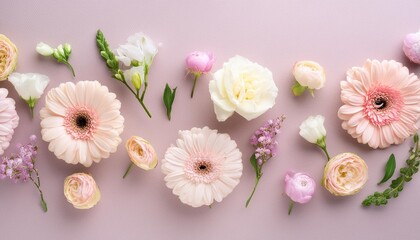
x=118 y=76
x=56 y=54
x=135 y=63
x=60 y=50
x=104 y=54
x=136 y=80
x=67 y=48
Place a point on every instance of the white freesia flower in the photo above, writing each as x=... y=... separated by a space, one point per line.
x=44 y=49
x=138 y=50
x=244 y=87
x=29 y=86
x=313 y=130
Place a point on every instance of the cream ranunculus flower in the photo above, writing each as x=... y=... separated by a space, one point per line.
x=81 y=190
x=309 y=75
x=244 y=87
x=141 y=153
x=30 y=86
x=8 y=57
x=345 y=174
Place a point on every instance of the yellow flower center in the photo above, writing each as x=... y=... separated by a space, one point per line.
x=244 y=88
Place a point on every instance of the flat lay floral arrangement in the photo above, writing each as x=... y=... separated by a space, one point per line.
x=82 y=123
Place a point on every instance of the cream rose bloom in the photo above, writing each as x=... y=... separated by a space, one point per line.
x=81 y=190
x=244 y=87
x=309 y=74
x=345 y=174
x=8 y=57
x=141 y=153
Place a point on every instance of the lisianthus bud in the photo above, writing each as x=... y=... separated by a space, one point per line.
x=411 y=47
x=8 y=57
x=345 y=174
x=44 y=49
x=199 y=62
x=141 y=153
x=313 y=130
x=81 y=190
x=309 y=75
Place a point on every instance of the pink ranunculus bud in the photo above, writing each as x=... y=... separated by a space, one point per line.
x=199 y=62
x=411 y=46
x=299 y=187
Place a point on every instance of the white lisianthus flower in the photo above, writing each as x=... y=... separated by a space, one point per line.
x=140 y=49
x=244 y=87
x=313 y=130
x=29 y=86
x=44 y=49
x=309 y=75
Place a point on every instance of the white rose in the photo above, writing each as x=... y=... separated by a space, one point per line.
x=313 y=130
x=244 y=87
x=309 y=74
x=44 y=49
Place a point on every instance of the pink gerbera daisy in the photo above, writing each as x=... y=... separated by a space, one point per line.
x=381 y=103
x=82 y=122
x=9 y=119
x=203 y=166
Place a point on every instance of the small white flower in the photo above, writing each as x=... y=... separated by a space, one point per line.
x=29 y=86
x=309 y=75
x=139 y=49
x=313 y=130
x=44 y=49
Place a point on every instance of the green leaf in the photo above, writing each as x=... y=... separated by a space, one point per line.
x=254 y=164
x=389 y=169
x=298 y=89
x=168 y=100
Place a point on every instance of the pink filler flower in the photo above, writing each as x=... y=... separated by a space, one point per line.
x=299 y=187
x=381 y=103
x=199 y=63
x=411 y=46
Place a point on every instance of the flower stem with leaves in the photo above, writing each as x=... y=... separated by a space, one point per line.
x=117 y=73
x=397 y=185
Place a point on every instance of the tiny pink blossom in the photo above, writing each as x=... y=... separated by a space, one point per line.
x=299 y=187
x=411 y=46
x=199 y=62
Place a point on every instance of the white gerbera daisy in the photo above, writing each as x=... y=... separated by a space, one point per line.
x=203 y=166
x=81 y=122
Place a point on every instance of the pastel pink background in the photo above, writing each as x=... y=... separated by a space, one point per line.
x=273 y=33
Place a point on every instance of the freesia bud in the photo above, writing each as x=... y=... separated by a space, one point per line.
x=67 y=49
x=136 y=80
x=60 y=51
x=44 y=49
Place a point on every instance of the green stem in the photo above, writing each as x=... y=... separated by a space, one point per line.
x=137 y=97
x=38 y=186
x=291 y=205
x=257 y=179
x=31 y=109
x=145 y=88
x=71 y=68
x=326 y=152
x=195 y=82
x=128 y=169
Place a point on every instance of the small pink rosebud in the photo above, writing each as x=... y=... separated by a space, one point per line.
x=411 y=46
x=299 y=187
x=199 y=62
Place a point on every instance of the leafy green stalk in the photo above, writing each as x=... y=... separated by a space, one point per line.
x=389 y=169
x=168 y=100
x=258 y=174
x=114 y=67
x=397 y=185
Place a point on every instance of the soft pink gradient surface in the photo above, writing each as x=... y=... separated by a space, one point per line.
x=275 y=34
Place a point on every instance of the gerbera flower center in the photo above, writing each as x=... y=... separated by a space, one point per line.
x=202 y=169
x=383 y=105
x=81 y=122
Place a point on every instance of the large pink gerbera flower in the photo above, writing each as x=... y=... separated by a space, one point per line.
x=9 y=119
x=82 y=122
x=381 y=103
x=203 y=166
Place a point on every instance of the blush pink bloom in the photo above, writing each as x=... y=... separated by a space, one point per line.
x=141 y=153
x=299 y=187
x=9 y=119
x=345 y=174
x=8 y=57
x=199 y=62
x=381 y=103
x=411 y=46
x=203 y=167
x=81 y=122
x=81 y=191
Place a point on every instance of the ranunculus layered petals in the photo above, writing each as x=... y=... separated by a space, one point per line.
x=141 y=153
x=381 y=103
x=82 y=122
x=299 y=187
x=203 y=167
x=81 y=191
x=345 y=174
x=8 y=57
x=309 y=74
x=244 y=87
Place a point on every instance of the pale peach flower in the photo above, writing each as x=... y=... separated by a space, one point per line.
x=141 y=153
x=345 y=174
x=381 y=103
x=81 y=190
x=9 y=119
x=8 y=57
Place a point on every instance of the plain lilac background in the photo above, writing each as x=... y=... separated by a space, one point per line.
x=273 y=33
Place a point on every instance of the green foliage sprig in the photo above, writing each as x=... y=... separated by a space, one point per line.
x=168 y=100
x=397 y=185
